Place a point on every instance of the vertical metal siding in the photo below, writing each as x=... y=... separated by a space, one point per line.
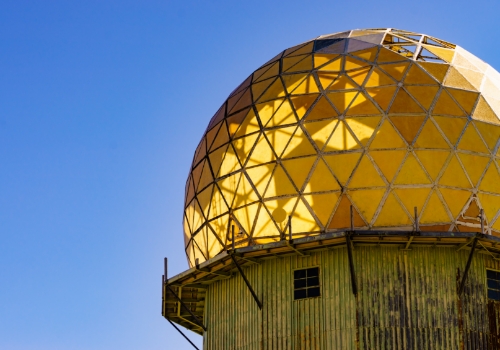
x=406 y=300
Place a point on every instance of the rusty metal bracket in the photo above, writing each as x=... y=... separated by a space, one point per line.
x=351 y=264
x=469 y=260
x=249 y=286
x=198 y=322
x=185 y=337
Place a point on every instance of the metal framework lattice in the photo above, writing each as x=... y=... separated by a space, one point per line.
x=384 y=120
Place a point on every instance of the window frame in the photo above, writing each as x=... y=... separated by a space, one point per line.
x=306 y=288
x=486 y=284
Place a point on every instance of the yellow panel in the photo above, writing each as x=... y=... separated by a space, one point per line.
x=474 y=77
x=341 y=139
x=367 y=201
x=359 y=76
x=365 y=175
x=289 y=62
x=434 y=211
x=433 y=161
x=386 y=55
x=201 y=151
x=322 y=205
x=307 y=86
x=302 y=50
x=446 y=106
x=471 y=141
x=206 y=177
x=280 y=184
x=491 y=180
x=250 y=124
x=342 y=216
x=302 y=220
x=352 y=63
x=430 y=137
x=403 y=103
x=437 y=70
x=383 y=96
x=490 y=204
x=260 y=177
x=189 y=190
x=362 y=106
x=321 y=59
x=321 y=110
x=408 y=127
x=244 y=101
x=484 y=112
x=245 y=193
x=334 y=66
x=451 y=127
x=302 y=103
x=267 y=109
x=264 y=225
x=363 y=127
x=466 y=99
x=396 y=70
x=298 y=169
x=413 y=197
x=474 y=165
x=343 y=82
x=216 y=158
x=280 y=210
x=204 y=199
x=194 y=215
x=305 y=64
x=283 y=116
x=210 y=136
x=454 y=175
x=321 y=179
x=242 y=147
x=214 y=247
x=230 y=162
x=455 y=199
x=341 y=100
x=221 y=138
x=418 y=76
x=234 y=121
x=411 y=173
x=444 y=54
x=392 y=214
x=291 y=81
x=388 y=162
x=490 y=133
x=325 y=79
x=278 y=138
x=262 y=153
x=218 y=206
x=266 y=72
x=379 y=78
x=423 y=94
x=228 y=187
x=367 y=54
x=258 y=88
x=299 y=145
x=320 y=131
x=274 y=91
x=387 y=137
x=457 y=80
x=342 y=165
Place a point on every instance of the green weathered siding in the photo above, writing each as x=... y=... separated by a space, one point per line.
x=406 y=300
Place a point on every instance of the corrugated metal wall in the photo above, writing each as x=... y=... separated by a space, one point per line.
x=406 y=300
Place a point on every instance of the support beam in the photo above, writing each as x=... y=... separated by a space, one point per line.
x=351 y=264
x=198 y=322
x=464 y=278
x=185 y=337
x=259 y=304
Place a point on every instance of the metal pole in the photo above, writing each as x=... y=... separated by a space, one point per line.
x=462 y=283
x=232 y=235
x=178 y=330
x=198 y=322
x=163 y=295
x=351 y=265
x=290 y=227
x=481 y=214
x=352 y=219
x=259 y=304
x=229 y=224
x=417 y=228
x=165 y=268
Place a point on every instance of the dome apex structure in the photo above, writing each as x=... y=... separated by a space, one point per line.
x=382 y=121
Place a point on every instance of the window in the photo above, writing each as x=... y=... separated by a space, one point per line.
x=306 y=283
x=493 y=282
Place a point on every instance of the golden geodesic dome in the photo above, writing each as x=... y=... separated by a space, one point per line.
x=384 y=120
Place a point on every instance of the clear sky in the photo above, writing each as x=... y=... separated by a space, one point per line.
x=102 y=104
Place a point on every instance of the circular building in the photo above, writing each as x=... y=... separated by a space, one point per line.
x=346 y=195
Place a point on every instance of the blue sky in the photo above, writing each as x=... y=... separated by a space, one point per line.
x=102 y=104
